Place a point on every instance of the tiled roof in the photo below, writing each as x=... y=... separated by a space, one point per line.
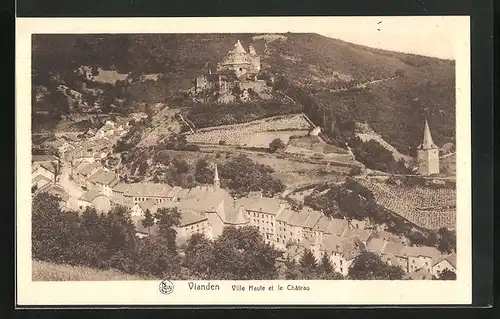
x=297 y=219
x=285 y=215
x=121 y=187
x=147 y=205
x=424 y=251
x=361 y=234
x=174 y=192
x=322 y=224
x=43 y=158
x=189 y=217
x=394 y=249
x=90 y=196
x=147 y=190
x=87 y=168
x=38 y=178
x=347 y=246
x=234 y=215
x=337 y=227
x=312 y=218
x=375 y=245
x=49 y=166
x=265 y=205
x=55 y=189
x=104 y=177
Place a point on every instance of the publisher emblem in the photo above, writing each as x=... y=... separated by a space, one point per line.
x=166 y=287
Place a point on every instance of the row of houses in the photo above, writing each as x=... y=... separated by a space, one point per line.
x=208 y=209
x=44 y=177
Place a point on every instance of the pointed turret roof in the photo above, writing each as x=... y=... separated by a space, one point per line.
x=238 y=48
x=427 y=143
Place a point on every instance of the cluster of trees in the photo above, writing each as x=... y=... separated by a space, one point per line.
x=179 y=143
x=99 y=240
x=132 y=138
x=242 y=175
x=350 y=200
x=308 y=267
x=377 y=157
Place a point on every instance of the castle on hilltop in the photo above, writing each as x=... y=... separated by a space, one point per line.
x=239 y=61
x=428 y=154
x=238 y=68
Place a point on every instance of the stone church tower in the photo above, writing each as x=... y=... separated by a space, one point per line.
x=216 y=178
x=428 y=154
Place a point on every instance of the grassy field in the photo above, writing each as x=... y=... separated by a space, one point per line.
x=46 y=271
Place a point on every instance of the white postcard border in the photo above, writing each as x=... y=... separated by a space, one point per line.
x=344 y=292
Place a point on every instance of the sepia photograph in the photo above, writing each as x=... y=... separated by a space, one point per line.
x=212 y=157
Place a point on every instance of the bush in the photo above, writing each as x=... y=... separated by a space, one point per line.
x=276 y=144
x=356 y=170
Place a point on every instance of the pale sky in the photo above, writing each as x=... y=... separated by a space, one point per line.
x=429 y=36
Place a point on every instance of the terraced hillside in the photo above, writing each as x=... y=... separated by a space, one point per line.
x=430 y=208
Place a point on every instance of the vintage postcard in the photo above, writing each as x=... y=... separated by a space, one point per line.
x=243 y=161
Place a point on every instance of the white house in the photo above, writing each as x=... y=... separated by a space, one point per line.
x=447 y=262
x=262 y=213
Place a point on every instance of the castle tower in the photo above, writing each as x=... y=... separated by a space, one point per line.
x=216 y=178
x=251 y=50
x=428 y=154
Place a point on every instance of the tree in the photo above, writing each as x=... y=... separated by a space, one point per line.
x=167 y=219
x=308 y=264
x=292 y=271
x=431 y=239
x=447 y=274
x=148 y=220
x=447 y=241
x=57 y=169
x=244 y=175
x=198 y=255
x=325 y=266
x=155 y=258
x=53 y=231
x=368 y=265
x=202 y=173
x=242 y=254
x=276 y=144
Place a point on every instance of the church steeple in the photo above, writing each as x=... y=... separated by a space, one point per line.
x=427 y=143
x=216 y=177
x=428 y=154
